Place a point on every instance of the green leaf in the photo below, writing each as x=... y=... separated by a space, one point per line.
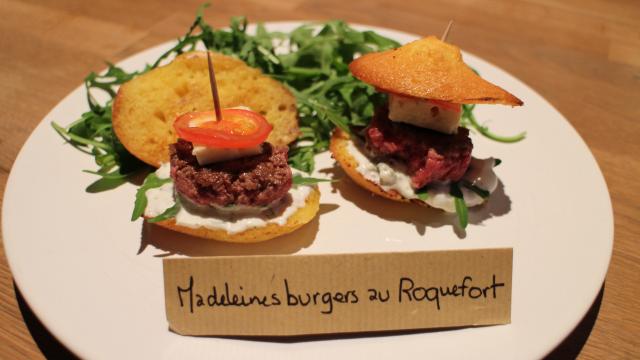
x=461 y=206
x=302 y=180
x=69 y=137
x=150 y=182
x=200 y=10
x=481 y=192
x=469 y=120
x=496 y=162
x=301 y=158
x=112 y=175
x=104 y=184
x=167 y=214
x=422 y=193
x=461 y=210
x=315 y=69
x=382 y=42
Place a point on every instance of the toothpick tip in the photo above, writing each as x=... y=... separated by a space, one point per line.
x=446 y=31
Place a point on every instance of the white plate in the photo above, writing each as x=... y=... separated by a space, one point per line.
x=96 y=282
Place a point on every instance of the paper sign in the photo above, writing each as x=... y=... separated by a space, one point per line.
x=319 y=294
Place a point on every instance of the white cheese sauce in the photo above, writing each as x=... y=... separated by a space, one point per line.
x=393 y=176
x=231 y=219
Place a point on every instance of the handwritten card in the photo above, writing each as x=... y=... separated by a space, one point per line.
x=320 y=294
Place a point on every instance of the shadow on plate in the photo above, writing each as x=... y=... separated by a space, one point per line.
x=571 y=346
x=174 y=243
x=569 y=349
x=50 y=346
x=341 y=336
x=420 y=217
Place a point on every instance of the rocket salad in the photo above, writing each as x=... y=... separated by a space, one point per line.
x=312 y=61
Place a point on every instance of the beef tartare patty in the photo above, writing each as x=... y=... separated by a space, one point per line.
x=429 y=155
x=251 y=181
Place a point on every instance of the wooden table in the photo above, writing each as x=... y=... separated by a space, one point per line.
x=584 y=57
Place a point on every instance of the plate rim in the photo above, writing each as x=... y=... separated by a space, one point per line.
x=69 y=344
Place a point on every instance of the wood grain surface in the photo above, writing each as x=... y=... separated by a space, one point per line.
x=581 y=55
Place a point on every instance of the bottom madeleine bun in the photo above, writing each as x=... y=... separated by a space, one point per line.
x=302 y=216
x=339 y=147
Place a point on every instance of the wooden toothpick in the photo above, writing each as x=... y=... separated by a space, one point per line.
x=446 y=31
x=214 y=89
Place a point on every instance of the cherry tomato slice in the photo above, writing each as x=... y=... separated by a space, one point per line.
x=238 y=128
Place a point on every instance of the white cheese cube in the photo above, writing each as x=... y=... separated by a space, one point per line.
x=206 y=155
x=425 y=113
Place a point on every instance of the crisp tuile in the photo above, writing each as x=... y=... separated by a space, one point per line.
x=430 y=69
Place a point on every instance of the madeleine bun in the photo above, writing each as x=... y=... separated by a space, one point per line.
x=257 y=234
x=339 y=147
x=146 y=107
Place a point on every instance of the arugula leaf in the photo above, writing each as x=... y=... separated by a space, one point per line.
x=112 y=175
x=151 y=181
x=496 y=162
x=423 y=193
x=167 y=214
x=302 y=180
x=481 y=192
x=315 y=69
x=104 y=184
x=77 y=140
x=461 y=206
x=302 y=157
x=382 y=42
x=468 y=120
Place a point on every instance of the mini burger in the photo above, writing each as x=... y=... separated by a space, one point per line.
x=223 y=178
x=224 y=182
x=413 y=149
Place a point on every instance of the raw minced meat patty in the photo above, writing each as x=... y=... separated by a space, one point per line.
x=429 y=155
x=257 y=180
